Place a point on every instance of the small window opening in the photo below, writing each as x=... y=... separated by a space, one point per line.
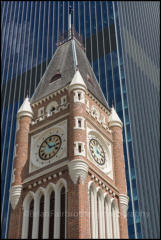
x=79 y=148
x=79 y=96
x=79 y=123
x=53 y=109
x=55 y=77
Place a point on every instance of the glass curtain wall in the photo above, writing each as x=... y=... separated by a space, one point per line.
x=29 y=35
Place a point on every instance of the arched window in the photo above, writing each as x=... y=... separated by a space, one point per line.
x=62 y=213
x=55 y=77
x=52 y=215
x=30 y=224
x=108 y=219
x=115 y=220
x=52 y=107
x=41 y=214
x=101 y=219
x=93 y=211
x=28 y=215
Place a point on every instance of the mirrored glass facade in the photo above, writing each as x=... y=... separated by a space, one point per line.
x=30 y=32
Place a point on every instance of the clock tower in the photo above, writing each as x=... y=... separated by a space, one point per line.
x=69 y=172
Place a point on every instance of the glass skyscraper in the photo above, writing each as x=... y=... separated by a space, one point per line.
x=121 y=40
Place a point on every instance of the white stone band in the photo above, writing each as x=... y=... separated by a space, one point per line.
x=24 y=114
x=78 y=168
x=124 y=200
x=15 y=193
x=115 y=124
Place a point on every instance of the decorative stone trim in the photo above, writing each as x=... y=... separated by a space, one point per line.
x=13 y=175
x=114 y=119
x=124 y=199
x=49 y=114
x=103 y=185
x=40 y=112
x=15 y=193
x=81 y=119
x=64 y=100
x=77 y=151
x=78 y=169
x=60 y=91
x=98 y=103
x=101 y=121
x=79 y=96
x=25 y=109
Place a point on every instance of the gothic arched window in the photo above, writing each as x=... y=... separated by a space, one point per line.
x=52 y=215
x=30 y=224
x=93 y=211
x=62 y=213
x=41 y=214
x=115 y=220
x=108 y=219
x=100 y=210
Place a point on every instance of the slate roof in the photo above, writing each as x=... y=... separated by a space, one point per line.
x=65 y=59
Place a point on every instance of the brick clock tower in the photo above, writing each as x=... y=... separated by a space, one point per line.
x=69 y=172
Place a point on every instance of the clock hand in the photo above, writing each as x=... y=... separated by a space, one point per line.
x=48 y=145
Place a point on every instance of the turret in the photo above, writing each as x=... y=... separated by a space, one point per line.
x=77 y=152
x=116 y=125
x=24 y=117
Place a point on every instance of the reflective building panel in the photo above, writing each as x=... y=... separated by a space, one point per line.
x=121 y=40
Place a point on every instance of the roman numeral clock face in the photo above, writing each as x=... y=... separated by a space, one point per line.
x=97 y=151
x=49 y=147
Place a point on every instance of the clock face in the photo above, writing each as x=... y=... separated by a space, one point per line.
x=49 y=147
x=97 y=151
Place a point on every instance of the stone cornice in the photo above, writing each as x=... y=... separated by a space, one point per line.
x=100 y=178
x=49 y=123
x=50 y=96
x=44 y=172
x=98 y=103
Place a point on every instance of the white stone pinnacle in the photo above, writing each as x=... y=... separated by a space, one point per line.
x=25 y=109
x=114 y=119
x=77 y=81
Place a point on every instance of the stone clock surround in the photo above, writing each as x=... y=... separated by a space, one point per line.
x=36 y=140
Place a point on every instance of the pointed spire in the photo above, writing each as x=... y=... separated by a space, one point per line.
x=77 y=81
x=69 y=23
x=114 y=119
x=25 y=109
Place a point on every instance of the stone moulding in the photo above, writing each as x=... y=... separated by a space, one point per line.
x=124 y=200
x=78 y=169
x=15 y=193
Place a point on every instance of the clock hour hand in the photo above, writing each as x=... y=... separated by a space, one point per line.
x=48 y=145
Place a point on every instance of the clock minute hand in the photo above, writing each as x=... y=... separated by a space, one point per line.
x=51 y=146
x=48 y=145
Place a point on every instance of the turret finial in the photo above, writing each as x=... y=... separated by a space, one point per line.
x=69 y=23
